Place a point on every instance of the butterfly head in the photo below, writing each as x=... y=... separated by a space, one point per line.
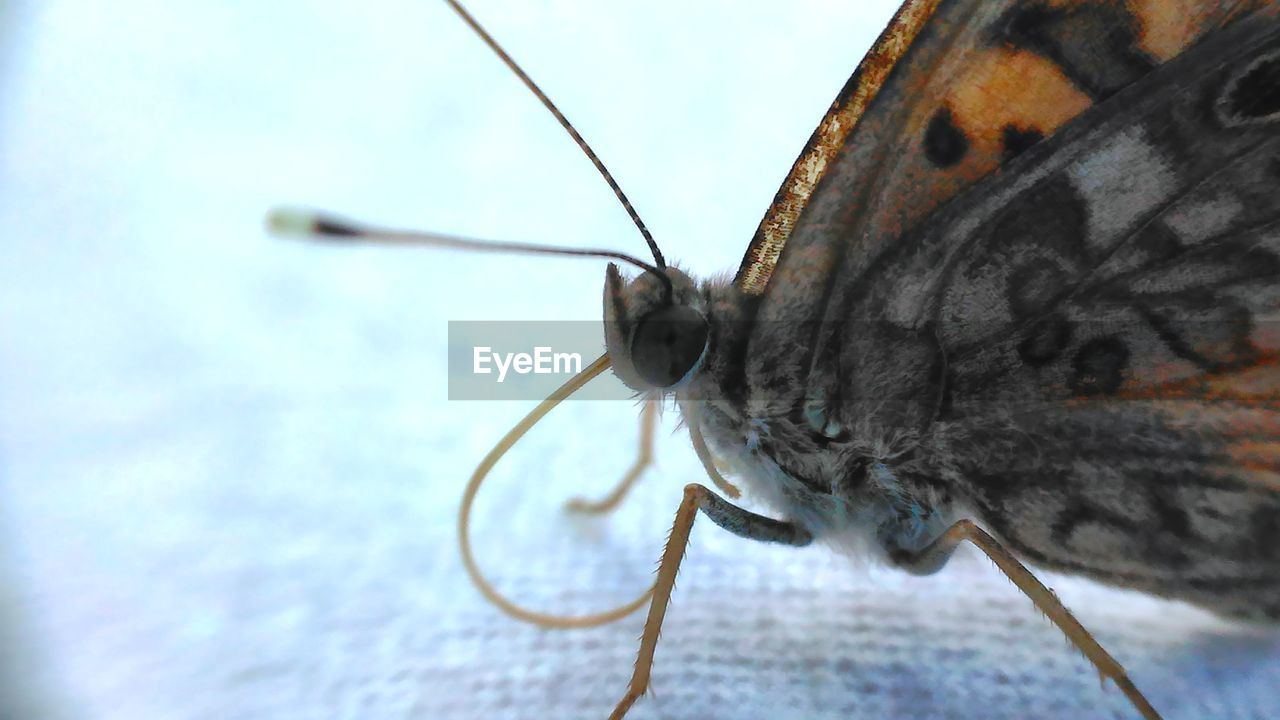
x=656 y=333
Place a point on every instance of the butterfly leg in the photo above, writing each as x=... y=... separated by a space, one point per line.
x=742 y=523
x=933 y=557
x=644 y=458
x=709 y=463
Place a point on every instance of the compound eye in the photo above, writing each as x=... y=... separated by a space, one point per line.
x=667 y=343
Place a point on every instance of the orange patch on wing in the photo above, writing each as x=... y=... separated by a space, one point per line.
x=1012 y=88
x=1262 y=455
x=1262 y=380
x=1245 y=423
x=1257 y=385
x=1266 y=332
x=1166 y=27
x=1000 y=88
x=1165 y=373
x=1260 y=478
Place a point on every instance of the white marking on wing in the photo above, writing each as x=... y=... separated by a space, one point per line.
x=1122 y=182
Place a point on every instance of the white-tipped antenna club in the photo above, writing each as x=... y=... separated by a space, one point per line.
x=315 y=225
x=308 y=224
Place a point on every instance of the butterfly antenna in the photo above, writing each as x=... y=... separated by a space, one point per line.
x=296 y=222
x=568 y=127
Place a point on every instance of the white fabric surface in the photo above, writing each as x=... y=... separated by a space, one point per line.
x=229 y=470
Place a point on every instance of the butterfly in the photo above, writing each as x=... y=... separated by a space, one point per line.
x=1017 y=292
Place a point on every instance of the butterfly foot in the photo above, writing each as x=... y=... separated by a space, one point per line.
x=611 y=501
x=644 y=457
x=624 y=705
x=590 y=507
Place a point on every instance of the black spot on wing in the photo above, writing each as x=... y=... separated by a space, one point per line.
x=1254 y=96
x=1193 y=301
x=1145 y=534
x=1217 y=338
x=944 y=143
x=1172 y=517
x=1156 y=243
x=1033 y=285
x=1075 y=523
x=1037 y=242
x=1095 y=45
x=1016 y=140
x=1030 y=256
x=1072 y=518
x=1099 y=366
x=1049 y=220
x=1045 y=340
x=1264 y=533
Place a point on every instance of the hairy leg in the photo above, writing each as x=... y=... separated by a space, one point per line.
x=937 y=553
x=740 y=522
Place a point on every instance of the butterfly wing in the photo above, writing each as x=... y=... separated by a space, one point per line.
x=951 y=91
x=1098 y=323
x=843 y=116
x=989 y=79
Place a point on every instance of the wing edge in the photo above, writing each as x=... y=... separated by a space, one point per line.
x=840 y=120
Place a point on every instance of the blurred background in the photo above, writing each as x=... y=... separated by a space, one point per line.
x=228 y=468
